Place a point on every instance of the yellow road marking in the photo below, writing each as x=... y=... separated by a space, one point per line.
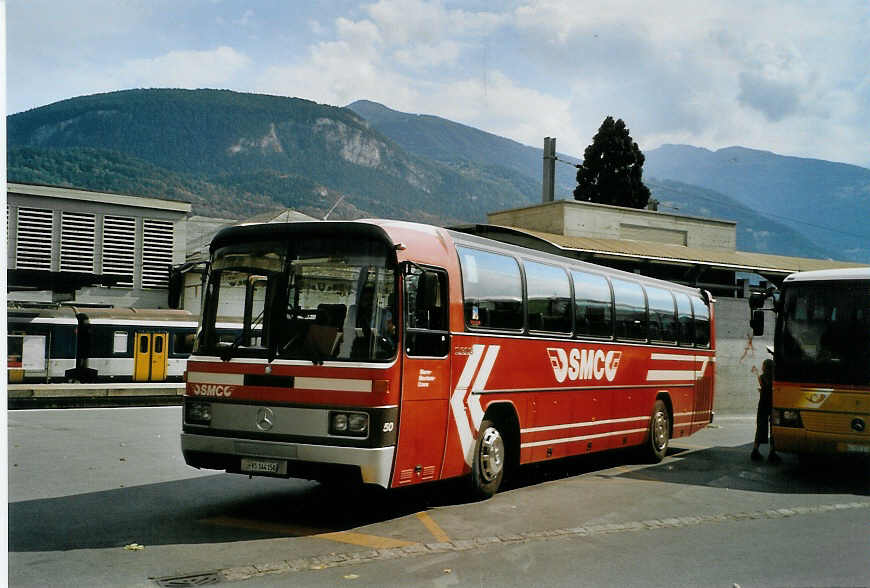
x=364 y=540
x=433 y=527
x=372 y=541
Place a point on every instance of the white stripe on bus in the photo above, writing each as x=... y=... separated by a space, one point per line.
x=582 y=438
x=215 y=378
x=333 y=384
x=583 y=424
x=664 y=375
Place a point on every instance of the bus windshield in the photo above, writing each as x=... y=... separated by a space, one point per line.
x=823 y=333
x=315 y=299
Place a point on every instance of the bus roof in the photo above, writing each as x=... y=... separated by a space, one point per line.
x=397 y=231
x=858 y=273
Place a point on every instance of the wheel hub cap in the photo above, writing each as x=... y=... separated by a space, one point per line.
x=491 y=454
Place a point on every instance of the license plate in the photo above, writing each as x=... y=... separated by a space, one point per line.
x=853 y=448
x=264 y=466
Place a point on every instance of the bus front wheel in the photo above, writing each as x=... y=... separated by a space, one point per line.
x=487 y=469
x=659 y=433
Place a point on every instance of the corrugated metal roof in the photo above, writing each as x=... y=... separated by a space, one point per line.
x=720 y=258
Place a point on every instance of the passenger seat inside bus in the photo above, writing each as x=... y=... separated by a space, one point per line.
x=324 y=334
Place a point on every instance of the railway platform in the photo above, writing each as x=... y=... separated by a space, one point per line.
x=64 y=395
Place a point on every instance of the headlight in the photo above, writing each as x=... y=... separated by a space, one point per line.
x=786 y=417
x=354 y=424
x=339 y=422
x=358 y=423
x=198 y=413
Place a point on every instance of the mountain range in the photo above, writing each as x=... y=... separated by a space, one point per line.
x=235 y=155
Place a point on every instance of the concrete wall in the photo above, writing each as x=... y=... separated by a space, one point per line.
x=585 y=219
x=546 y=217
x=738 y=356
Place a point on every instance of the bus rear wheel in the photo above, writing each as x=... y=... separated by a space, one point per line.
x=487 y=469
x=656 y=446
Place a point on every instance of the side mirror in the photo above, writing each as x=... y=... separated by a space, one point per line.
x=757 y=323
x=756 y=300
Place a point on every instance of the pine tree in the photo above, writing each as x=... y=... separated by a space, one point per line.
x=612 y=169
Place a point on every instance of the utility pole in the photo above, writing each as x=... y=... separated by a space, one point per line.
x=549 y=169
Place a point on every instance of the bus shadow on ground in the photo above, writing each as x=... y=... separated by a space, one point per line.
x=211 y=509
x=732 y=468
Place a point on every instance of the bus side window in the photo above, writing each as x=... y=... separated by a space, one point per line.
x=662 y=315
x=630 y=305
x=493 y=290
x=549 y=298
x=685 y=323
x=593 y=305
x=702 y=322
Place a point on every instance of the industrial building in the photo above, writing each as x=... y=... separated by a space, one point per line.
x=69 y=245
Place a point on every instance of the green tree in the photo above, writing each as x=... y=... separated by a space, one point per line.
x=612 y=169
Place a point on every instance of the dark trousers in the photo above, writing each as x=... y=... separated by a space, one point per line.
x=762 y=420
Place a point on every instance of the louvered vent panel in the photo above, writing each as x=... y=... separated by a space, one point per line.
x=77 y=242
x=156 y=253
x=119 y=247
x=34 y=237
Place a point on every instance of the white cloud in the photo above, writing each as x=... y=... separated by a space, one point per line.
x=183 y=69
x=779 y=76
x=419 y=22
x=426 y=56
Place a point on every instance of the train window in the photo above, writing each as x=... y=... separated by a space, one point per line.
x=549 y=296
x=119 y=342
x=630 y=307
x=143 y=344
x=702 y=322
x=662 y=315
x=63 y=342
x=182 y=343
x=158 y=343
x=593 y=306
x=685 y=326
x=492 y=288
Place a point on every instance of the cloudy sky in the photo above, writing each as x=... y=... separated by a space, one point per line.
x=790 y=77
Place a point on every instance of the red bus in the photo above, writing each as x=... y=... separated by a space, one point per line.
x=398 y=353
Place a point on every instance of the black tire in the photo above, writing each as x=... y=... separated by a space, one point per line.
x=487 y=468
x=656 y=445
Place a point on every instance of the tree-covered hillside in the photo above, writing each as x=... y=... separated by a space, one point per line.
x=278 y=149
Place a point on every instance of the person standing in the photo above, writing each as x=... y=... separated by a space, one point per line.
x=763 y=429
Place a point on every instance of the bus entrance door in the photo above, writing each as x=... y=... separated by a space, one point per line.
x=425 y=380
x=150 y=358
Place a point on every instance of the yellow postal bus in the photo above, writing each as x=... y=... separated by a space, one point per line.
x=821 y=389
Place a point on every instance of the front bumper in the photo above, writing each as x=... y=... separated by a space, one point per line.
x=374 y=464
x=795 y=440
